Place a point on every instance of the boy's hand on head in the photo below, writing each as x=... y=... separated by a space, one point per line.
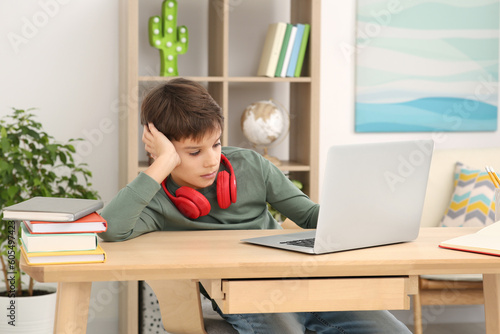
x=162 y=151
x=155 y=142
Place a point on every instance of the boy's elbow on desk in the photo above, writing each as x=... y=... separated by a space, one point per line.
x=111 y=235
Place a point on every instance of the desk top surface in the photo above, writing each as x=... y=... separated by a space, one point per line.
x=221 y=254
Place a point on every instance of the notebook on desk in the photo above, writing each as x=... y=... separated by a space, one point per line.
x=372 y=195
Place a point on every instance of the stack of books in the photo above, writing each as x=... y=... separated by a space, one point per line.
x=284 y=50
x=59 y=230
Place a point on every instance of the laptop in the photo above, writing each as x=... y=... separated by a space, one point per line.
x=372 y=195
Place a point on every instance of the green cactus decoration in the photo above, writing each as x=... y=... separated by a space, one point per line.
x=168 y=38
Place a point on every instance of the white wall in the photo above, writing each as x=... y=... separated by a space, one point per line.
x=61 y=56
x=337 y=90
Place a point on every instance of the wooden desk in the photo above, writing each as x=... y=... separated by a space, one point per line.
x=215 y=257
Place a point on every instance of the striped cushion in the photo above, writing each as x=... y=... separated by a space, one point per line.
x=473 y=200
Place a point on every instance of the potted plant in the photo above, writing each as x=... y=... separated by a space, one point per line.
x=32 y=164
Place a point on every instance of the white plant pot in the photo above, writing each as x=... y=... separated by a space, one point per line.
x=29 y=314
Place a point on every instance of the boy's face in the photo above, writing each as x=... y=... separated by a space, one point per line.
x=199 y=161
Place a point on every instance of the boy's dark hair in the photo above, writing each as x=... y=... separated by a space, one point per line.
x=182 y=109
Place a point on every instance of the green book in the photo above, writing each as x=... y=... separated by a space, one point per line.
x=284 y=47
x=302 y=51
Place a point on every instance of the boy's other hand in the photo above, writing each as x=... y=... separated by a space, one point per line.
x=162 y=151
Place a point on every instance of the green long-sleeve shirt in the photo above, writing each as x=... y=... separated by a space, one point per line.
x=142 y=206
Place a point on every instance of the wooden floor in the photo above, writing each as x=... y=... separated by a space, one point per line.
x=468 y=328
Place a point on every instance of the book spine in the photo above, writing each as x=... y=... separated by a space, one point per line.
x=302 y=51
x=271 y=50
x=284 y=47
x=293 y=33
x=295 y=51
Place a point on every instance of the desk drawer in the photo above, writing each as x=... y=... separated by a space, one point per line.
x=312 y=294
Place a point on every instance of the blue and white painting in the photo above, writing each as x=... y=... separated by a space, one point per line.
x=427 y=65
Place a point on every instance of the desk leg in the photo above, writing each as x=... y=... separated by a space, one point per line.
x=72 y=307
x=180 y=305
x=491 y=290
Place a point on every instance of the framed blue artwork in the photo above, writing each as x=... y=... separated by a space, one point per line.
x=426 y=65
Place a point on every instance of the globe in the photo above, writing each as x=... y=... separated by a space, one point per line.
x=264 y=124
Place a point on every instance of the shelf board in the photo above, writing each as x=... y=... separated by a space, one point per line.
x=286 y=166
x=197 y=79
x=226 y=79
x=290 y=166
x=266 y=79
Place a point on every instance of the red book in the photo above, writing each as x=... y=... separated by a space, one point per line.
x=90 y=223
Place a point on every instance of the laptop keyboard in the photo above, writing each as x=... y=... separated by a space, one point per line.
x=300 y=242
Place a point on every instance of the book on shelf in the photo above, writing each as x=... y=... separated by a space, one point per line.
x=57 y=242
x=485 y=241
x=97 y=255
x=52 y=209
x=288 y=54
x=284 y=47
x=92 y=222
x=290 y=72
x=302 y=50
x=271 y=49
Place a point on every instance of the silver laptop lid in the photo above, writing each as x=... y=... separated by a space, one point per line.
x=372 y=194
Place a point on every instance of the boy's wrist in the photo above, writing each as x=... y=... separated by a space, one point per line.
x=160 y=168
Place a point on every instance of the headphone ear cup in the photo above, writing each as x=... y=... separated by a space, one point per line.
x=187 y=207
x=232 y=188
x=223 y=192
x=191 y=203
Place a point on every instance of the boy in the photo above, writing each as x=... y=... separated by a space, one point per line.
x=195 y=184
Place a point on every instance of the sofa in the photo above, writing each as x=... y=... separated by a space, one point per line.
x=440 y=185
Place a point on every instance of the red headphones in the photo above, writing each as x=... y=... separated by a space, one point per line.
x=193 y=204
